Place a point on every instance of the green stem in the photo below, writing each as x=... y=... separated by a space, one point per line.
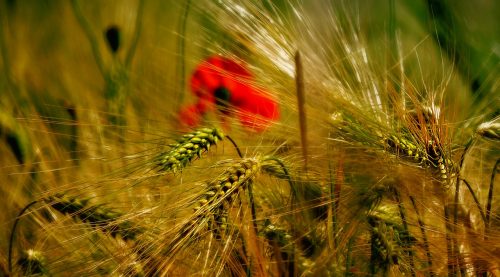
x=457 y=182
x=13 y=231
x=181 y=45
x=402 y=214
x=5 y=54
x=456 y=200
x=334 y=200
x=421 y=224
x=287 y=175
x=292 y=264
x=392 y=24
x=475 y=199
x=490 y=194
x=252 y=207
x=250 y=190
x=348 y=259
x=90 y=36
x=235 y=146
x=137 y=33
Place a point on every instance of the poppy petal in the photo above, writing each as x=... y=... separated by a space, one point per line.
x=190 y=116
x=219 y=74
x=258 y=112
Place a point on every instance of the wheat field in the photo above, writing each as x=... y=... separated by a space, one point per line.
x=249 y=138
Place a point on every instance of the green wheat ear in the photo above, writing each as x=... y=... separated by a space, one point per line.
x=389 y=240
x=187 y=148
x=99 y=217
x=299 y=250
x=402 y=143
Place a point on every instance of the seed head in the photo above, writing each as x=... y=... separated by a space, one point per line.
x=98 y=217
x=235 y=177
x=187 y=148
x=490 y=130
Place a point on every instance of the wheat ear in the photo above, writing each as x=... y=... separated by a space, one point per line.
x=187 y=148
x=489 y=130
x=210 y=203
x=99 y=217
x=388 y=239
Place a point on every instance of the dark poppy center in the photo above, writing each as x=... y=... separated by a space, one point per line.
x=222 y=96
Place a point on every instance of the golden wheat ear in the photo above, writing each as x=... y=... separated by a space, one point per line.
x=489 y=130
x=210 y=207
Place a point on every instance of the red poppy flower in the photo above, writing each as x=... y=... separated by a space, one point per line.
x=224 y=84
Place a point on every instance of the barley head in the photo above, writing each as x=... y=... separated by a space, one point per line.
x=222 y=190
x=98 y=217
x=210 y=208
x=187 y=148
x=489 y=130
x=388 y=240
